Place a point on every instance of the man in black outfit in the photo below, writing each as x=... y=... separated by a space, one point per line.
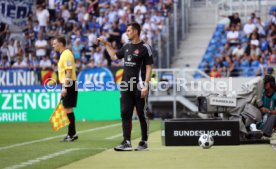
x=234 y=19
x=138 y=62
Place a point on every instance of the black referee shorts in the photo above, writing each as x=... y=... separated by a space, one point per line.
x=71 y=97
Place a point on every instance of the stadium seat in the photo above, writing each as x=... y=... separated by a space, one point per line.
x=264 y=45
x=244 y=64
x=220 y=27
x=272 y=9
x=255 y=64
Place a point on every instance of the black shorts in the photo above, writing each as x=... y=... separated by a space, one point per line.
x=71 y=97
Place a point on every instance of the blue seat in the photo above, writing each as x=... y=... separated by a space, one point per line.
x=220 y=27
x=272 y=9
x=197 y=75
x=255 y=64
x=201 y=65
x=213 y=41
x=264 y=45
x=217 y=34
x=223 y=41
x=244 y=39
x=251 y=72
x=211 y=48
x=244 y=64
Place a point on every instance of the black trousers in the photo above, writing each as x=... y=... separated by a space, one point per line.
x=129 y=100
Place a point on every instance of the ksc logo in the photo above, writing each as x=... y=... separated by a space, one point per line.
x=95 y=76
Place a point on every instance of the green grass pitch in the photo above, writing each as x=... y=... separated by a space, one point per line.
x=36 y=145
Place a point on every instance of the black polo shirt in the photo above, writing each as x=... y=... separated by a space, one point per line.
x=136 y=57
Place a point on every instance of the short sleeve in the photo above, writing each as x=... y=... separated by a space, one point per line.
x=148 y=59
x=120 y=53
x=68 y=61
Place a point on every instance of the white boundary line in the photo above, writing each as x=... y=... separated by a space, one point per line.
x=115 y=136
x=51 y=138
x=43 y=158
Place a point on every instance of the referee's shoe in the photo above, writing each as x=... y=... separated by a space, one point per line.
x=69 y=139
x=124 y=146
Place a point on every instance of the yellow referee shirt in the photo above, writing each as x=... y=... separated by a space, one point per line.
x=66 y=61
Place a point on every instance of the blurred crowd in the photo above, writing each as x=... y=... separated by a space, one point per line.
x=81 y=22
x=242 y=49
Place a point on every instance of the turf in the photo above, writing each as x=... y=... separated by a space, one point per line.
x=90 y=142
x=189 y=157
x=93 y=150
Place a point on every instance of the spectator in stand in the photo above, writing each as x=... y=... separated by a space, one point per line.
x=226 y=50
x=41 y=46
x=234 y=19
x=273 y=56
x=238 y=50
x=77 y=48
x=36 y=29
x=214 y=72
x=254 y=40
x=4 y=28
x=254 y=50
x=139 y=17
x=4 y=49
x=18 y=49
x=114 y=34
x=20 y=63
x=261 y=27
x=52 y=10
x=34 y=62
x=79 y=65
x=124 y=38
x=11 y=49
x=232 y=67
x=255 y=33
x=232 y=36
x=272 y=20
x=249 y=27
x=4 y=63
x=253 y=18
x=112 y=14
x=65 y=13
x=45 y=63
x=93 y=7
x=263 y=67
x=98 y=56
x=42 y=15
x=140 y=7
x=272 y=36
x=92 y=37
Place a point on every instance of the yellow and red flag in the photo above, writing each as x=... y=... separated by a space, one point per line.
x=59 y=118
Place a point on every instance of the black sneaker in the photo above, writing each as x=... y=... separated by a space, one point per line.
x=142 y=146
x=69 y=139
x=124 y=146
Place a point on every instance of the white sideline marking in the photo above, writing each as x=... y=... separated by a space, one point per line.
x=43 y=158
x=54 y=137
x=113 y=137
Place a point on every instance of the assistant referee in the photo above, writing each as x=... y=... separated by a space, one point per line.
x=138 y=62
x=67 y=77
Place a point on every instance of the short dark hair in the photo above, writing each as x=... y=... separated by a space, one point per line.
x=269 y=79
x=135 y=26
x=62 y=40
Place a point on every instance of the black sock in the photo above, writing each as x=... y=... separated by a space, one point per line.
x=71 y=127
